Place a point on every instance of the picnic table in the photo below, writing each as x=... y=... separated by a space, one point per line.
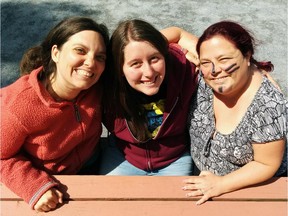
x=151 y=196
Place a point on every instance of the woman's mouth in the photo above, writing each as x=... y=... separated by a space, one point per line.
x=149 y=82
x=219 y=80
x=84 y=73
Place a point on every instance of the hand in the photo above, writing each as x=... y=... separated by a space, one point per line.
x=193 y=57
x=49 y=200
x=207 y=185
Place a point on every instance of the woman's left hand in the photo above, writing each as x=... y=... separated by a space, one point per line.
x=207 y=185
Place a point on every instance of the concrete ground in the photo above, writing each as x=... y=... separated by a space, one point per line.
x=25 y=23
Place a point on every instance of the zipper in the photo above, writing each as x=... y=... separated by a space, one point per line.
x=77 y=113
x=147 y=151
x=166 y=118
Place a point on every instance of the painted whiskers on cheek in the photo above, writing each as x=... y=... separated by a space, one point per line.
x=232 y=68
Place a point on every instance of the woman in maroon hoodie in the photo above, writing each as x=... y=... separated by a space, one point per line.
x=147 y=102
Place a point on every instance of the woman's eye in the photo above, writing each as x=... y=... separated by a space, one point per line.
x=80 y=50
x=205 y=64
x=154 y=59
x=101 y=58
x=224 y=59
x=135 y=64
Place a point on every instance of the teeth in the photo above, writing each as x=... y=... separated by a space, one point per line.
x=220 y=78
x=148 y=83
x=84 y=73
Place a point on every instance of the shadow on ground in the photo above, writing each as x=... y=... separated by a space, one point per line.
x=18 y=23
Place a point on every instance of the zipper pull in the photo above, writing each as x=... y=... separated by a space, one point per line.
x=77 y=113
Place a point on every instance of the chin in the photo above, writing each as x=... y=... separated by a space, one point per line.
x=151 y=92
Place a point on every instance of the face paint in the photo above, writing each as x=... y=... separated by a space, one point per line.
x=220 y=89
x=213 y=68
x=231 y=68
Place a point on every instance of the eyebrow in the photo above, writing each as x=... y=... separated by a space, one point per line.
x=83 y=45
x=140 y=59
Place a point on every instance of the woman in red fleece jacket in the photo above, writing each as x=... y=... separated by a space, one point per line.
x=52 y=116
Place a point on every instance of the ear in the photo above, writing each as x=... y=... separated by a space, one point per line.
x=55 y=53
x=248 y=57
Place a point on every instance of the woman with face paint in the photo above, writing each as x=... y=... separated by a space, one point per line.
x=238 y=118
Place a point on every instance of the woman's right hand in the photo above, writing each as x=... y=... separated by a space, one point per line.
x=49 y=200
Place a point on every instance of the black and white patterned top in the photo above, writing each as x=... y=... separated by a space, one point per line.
x=265 y=121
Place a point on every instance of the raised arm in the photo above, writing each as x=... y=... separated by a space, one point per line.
x=185 y=39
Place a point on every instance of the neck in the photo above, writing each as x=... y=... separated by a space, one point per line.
x=232 y=99
x=244 y=92
x=56 y=93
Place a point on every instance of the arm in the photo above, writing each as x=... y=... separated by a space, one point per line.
x=267 y=159
x=185 y=39
x=17 y=171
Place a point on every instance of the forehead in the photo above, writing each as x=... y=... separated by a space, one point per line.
x=86 y=37
x=217 y=45
x=218 y=41
x=138 y=48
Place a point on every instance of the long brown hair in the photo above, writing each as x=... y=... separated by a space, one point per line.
x=41 y=55
x=237 y=35
x=119 y=91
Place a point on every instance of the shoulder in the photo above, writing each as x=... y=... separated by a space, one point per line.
x=269 y=95
x=268 y=112
x=18 y=96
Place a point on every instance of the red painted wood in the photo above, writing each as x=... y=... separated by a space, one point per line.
x=150 y=187
x=151 y=208
x=136 y=195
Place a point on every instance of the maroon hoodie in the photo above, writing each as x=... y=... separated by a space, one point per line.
x=171 y=141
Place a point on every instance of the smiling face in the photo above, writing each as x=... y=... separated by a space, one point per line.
x=144 y=67
x=79 y=62
x=224 y=67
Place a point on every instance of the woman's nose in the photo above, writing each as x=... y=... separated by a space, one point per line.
x=147 y=70
x=89 y=61
x=215 y=69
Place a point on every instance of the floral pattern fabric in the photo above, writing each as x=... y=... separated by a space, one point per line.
x=265 y=121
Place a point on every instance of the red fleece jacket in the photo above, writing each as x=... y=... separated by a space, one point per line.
x=41 y=137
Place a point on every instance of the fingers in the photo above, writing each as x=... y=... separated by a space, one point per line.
x=202 y=200
x=192 y=180
x=198 y=192
x=49 y=200
x=193 y=58
x=59 y=195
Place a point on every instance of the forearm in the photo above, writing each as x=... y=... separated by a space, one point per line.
x=18 y=174
x=185 y=39
x=250 y=174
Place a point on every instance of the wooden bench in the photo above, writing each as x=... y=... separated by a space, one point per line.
x=151 y=196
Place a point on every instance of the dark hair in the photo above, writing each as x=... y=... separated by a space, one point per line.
x=129 y=106
x=237 y=35
x=41 y=55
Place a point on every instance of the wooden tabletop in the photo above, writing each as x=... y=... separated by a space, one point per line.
x=150 y=195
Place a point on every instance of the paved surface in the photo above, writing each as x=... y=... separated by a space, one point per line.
x=24 y=23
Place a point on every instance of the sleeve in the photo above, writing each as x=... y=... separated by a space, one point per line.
x=17 y=171
x=269 y=123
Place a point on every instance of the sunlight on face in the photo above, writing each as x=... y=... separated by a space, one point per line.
x=144 y=67
x=80 y=61
x=223 y=66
